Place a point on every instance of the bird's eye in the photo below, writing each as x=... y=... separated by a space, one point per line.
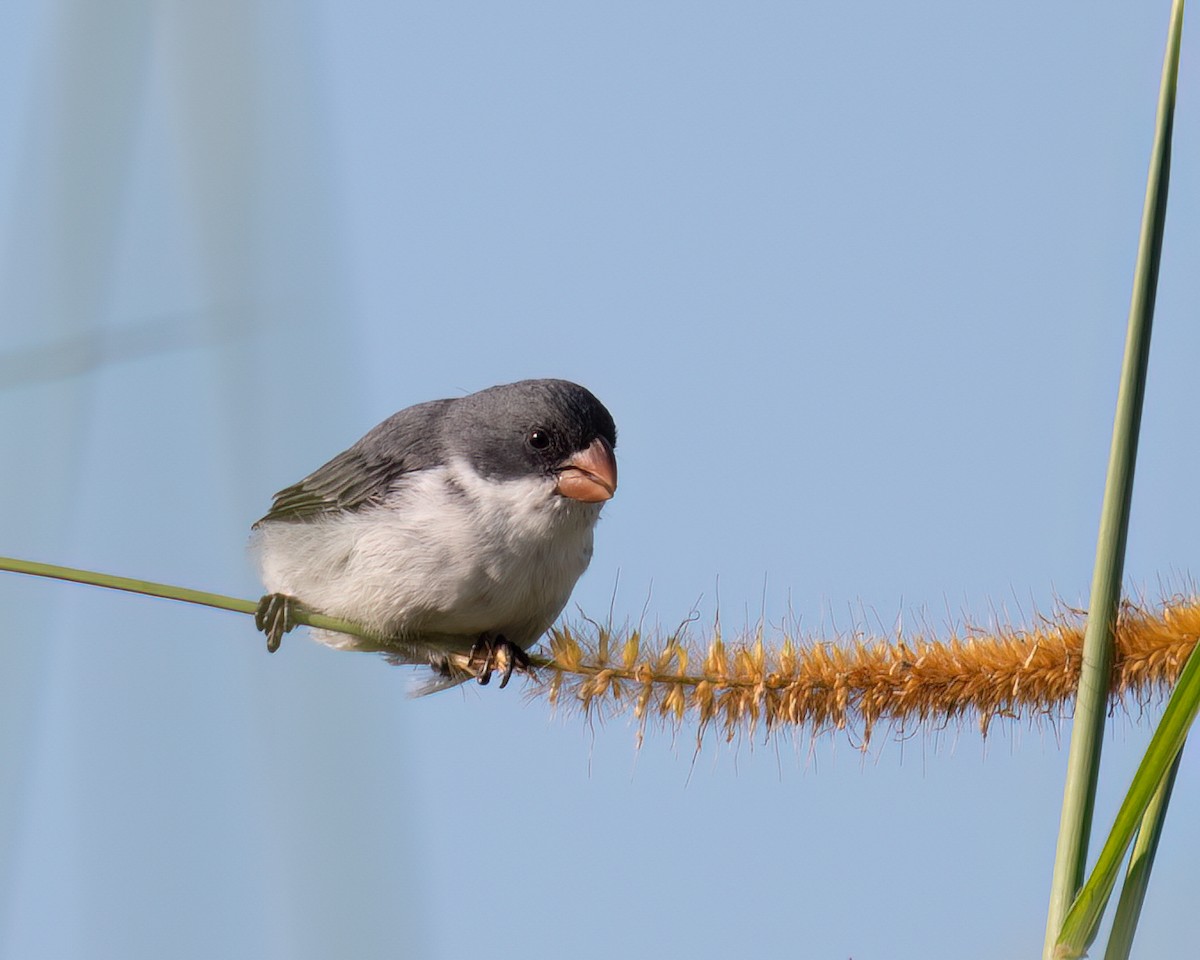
x=539 y=439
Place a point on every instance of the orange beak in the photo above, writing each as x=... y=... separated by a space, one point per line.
x=591 y=475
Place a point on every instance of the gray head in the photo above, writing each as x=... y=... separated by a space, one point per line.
x=550 y=427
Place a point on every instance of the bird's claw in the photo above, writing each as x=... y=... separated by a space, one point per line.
x=275 y=616
x=496 y=653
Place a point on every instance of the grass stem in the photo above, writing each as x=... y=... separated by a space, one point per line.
x=1087 y=730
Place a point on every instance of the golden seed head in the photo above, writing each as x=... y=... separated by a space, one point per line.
x=815 y=685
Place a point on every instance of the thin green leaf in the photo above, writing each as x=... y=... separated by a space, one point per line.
x=1137 y=876
x=1083 y=919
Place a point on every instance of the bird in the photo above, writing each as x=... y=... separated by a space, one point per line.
x=453 y=532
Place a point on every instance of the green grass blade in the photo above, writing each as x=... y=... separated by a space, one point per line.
x=1083 y=761
x=1083 y=918
x=1137 y=877
x=169 y=592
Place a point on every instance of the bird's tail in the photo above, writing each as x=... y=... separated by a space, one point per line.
x=435 y=683
x=447 y=670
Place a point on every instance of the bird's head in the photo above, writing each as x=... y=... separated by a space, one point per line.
x=551 y=428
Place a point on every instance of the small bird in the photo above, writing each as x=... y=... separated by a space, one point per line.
x=453 y=532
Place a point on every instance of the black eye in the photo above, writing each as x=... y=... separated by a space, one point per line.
x=539 y=439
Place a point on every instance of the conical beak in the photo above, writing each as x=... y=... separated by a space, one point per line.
x=590 y=475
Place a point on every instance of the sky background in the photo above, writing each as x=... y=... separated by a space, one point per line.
x=853 y=281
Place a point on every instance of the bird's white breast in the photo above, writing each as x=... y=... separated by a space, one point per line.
x=447 y=557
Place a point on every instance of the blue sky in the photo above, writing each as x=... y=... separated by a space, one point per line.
x=853 y=281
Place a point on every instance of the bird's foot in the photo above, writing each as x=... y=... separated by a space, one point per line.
x=496 y=653
x=275 y=616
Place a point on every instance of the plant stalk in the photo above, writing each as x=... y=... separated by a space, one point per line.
x=1087 y=730
x=170 y=592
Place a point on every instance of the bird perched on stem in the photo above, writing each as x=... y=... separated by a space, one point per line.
x=453 y=532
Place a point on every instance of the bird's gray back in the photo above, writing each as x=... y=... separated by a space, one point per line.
x=404 y=443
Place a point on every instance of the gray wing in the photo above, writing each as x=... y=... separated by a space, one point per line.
x=363 y=475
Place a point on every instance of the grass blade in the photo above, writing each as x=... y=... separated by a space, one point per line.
x=1137 y=877
x=1083 y=761
x=1083 y=918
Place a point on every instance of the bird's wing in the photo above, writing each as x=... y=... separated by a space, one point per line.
x=364 y=474
x=347 y=482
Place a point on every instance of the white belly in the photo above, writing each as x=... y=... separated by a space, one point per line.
x=448 y=558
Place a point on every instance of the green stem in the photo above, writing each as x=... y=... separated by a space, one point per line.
x=1083 y=761
x=169 y=592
